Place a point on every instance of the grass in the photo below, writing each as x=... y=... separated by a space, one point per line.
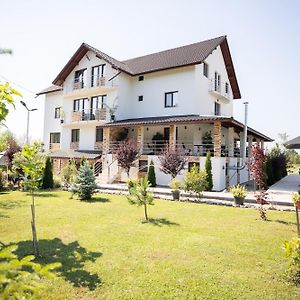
x=186 y=251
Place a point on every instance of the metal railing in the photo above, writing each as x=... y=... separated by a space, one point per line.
x=154 y=147
x=222 y=88
x=85 y=115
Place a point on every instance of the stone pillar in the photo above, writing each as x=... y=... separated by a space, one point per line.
x=230 y=142
x=106 y=140
x=172 y=138
x=217 y=138
x=140 y=139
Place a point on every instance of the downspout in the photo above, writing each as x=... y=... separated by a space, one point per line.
x=244 y=142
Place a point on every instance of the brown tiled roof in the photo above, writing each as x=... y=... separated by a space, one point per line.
x=50 y=89
x=75 y=154
x=187 y=119
x=182 y=56
x=173 y=58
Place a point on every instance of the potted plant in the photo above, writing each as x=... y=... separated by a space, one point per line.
x=175 y=186
x=239 y=193
x=296 y=199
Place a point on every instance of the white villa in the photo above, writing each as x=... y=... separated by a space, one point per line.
x=181 y=97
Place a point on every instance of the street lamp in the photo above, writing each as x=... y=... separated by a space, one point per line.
x=28 y=111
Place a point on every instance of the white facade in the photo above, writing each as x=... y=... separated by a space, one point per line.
x=196 y=92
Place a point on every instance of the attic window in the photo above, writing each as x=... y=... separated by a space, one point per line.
x=141 y=78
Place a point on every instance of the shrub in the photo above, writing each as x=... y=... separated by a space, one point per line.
x=141 y=196
x=175 y=184
x=47 y=182
x=296 y=198
x=57 y=183
x=2 y=181
x=69 y=173
x=238 y=191
x=84 y=185
x=292 y=251
x=131 y=183
x=151 y=174
x=20 y=279
x=195 y=181
x=208 y=169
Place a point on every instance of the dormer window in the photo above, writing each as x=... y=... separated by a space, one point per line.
x=98 y=74
x=80 y=79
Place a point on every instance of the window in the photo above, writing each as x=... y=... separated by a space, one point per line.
x=97 y=72
x=217 y=82
x=141 y=98
x=141 y=78
x=171 y=99
x=98 y=102
x=57 y=113
x=99 y=134
x=205 y=69
x=217 y=109
x=80 y=79
x=80 y=104
x=75 y=135
x=226 y=88
x=54 y=137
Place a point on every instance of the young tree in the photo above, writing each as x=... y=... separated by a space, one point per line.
x=141 y=196
x=84 y=185
x=69 y=173
x=151 y=174
x=48 y=182
x=21 y=278
x=208 y=169
x=257 y=169
x=126 y=153
x=32 y=165
x=172 y=161
x=195 y=181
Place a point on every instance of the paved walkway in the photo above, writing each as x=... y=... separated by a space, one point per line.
x=279 y=194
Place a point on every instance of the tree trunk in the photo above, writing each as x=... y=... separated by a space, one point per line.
x=33 y=228
x=145 y=211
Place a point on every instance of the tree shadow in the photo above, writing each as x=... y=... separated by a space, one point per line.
x=72 y=257
x=4 y=216
x=284 y=222
x=11 y=204
x=161 y=222
x=43 y=195
x=97 y=199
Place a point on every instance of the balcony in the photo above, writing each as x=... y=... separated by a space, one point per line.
x=221 y=90
x=54 y=146
x=74 y=145
x=84 y=116
x=81 y=88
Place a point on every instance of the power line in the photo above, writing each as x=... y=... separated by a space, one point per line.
x=18 y=85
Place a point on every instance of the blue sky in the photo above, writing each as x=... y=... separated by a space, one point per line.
x=264 y=39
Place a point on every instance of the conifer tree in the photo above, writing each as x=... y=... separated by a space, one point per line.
x=84 y=185
x=48 y=182
x=208 y=170
x=151 y=175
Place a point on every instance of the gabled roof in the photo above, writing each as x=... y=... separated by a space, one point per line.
x=173 y=58
x=293 y=143
x=50 y=89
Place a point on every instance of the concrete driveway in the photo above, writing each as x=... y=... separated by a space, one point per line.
x=283 y=189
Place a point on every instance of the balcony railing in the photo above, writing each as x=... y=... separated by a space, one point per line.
x=85 y=115
x=219 y=88
x=74 y=145
x=54 y=146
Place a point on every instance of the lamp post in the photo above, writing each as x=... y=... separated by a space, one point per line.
x=28 y=113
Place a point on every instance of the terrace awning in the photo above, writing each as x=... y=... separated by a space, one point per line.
x=293 y=144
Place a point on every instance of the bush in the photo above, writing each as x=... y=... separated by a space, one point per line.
x=208 y=169
x=195 y=181
x=84 y=185
x=57 y=183
x=151 y=174
x=175 y=184
x=2 y=181
x=292 y=251
x=238 y=191
x=47 y=182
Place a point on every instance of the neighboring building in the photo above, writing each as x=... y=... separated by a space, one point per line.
x=182 y=97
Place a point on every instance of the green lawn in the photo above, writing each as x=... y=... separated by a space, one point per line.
x=189 y=251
